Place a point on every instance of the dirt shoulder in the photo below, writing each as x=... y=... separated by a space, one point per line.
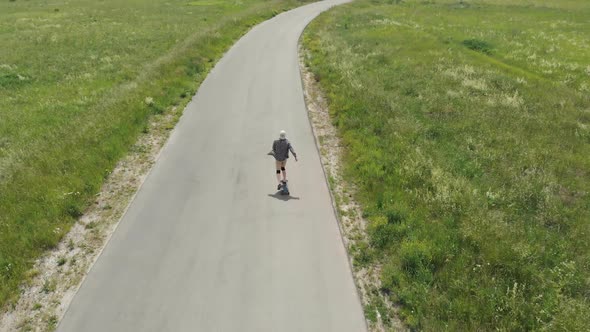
x=349 y=213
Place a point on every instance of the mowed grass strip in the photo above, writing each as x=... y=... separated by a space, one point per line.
x=467 y=131
x=78 y=82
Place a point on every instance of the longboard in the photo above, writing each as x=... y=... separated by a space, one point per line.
x=284 y=188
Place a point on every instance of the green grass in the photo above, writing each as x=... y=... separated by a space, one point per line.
x=78 y=83
x=467 y=128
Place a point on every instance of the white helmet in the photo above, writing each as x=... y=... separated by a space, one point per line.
x=283 y=134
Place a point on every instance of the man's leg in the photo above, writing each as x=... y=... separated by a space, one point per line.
x=278 y=167
x=278 y=175
x=284 y=170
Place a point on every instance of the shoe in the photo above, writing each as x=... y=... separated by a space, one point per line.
x=279 y=186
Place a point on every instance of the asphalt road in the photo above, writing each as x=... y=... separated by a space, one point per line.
x=207 y=245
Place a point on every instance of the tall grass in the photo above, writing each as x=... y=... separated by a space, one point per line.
x=78 y=82
x=467 y=131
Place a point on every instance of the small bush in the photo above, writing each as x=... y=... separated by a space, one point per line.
x=416 y=260
x=49 y=286
x=383 y=233
x=363 y=255
x=478 y=46
x=61 y=261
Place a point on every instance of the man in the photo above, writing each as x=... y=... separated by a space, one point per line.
x=280 y=150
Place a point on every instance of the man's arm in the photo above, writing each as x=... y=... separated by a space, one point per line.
x=273 y=151
x=293 y=151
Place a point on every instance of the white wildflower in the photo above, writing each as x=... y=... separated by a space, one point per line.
x=453 y=94
x=475 y=84
x=514 y=100
x=490 y=194
x=469 y=70
x=386 y=21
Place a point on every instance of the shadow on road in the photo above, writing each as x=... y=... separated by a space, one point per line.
x=283 y=197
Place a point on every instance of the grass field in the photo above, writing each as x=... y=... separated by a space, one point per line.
x=467 y=131
x=78 y=82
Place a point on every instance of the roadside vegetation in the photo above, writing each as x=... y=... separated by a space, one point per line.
x=78 y=83
x=466 y=126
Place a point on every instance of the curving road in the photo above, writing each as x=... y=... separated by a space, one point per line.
x=206 y=245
